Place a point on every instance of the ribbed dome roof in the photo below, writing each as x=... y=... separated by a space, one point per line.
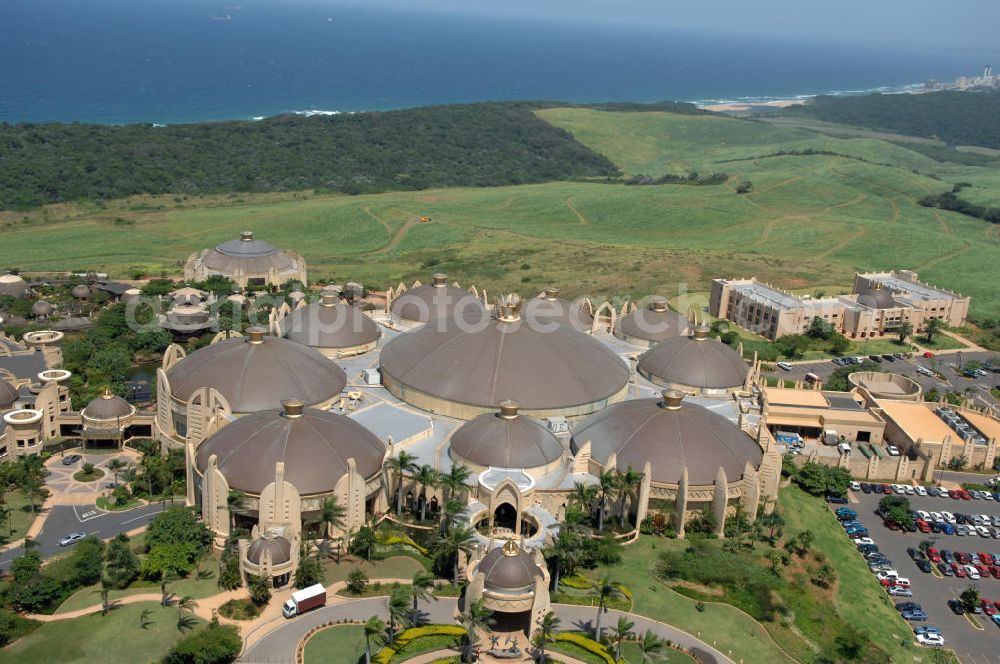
x=508 y=568
x=877 y=298
x=431 y=301
x=81 y=291
x=506 y=440
x=694 y=361
x=330 y=324
x=13 y=285
x=8 y=395
x=108 y=406
x=653 y=323
x=549 y=306
x=314 y=447
x=258 y=372
x=483 y=361
x=279 y=548
x=669 y=435
x=41 y=308
x=246 y=253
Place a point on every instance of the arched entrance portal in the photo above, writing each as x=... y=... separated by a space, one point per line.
x=505 y=516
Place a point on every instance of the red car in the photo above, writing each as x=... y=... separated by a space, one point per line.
x=965 y=495
x=886 y=489
x=984 y=570
x=928 y=354
x=985 y=557
x=963 y=557
x=922 y=526
x=995 y=571
x=988 y=607
x=958 y=570
x=954 y=493
x=934 y=555
x=891 y=525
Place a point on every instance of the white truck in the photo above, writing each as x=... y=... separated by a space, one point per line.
x=303 y=600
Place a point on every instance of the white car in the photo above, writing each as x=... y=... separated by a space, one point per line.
x=892 y=450
x=921 y=491
x=901 y=581
x=972 y=572
x=863 y=540
x=986 y=495
x=948 y=516
x=855 y=486
x=937 y=516
x=924 y=516
x=893 y=574
x=71 y=538
x=908 y=489
x=930 y=639
x=983 y=531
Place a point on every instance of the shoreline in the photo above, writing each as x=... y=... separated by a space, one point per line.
x=751 y=106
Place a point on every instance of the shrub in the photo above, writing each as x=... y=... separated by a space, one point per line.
x=406 y=637
x=587 y=643
x=216 y=644
x=576 y=581
x=357 y=581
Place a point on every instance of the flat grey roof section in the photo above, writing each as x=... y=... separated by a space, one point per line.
x=25 y=367
x=915 y=290
x=11 y=345
x=842 y=402
x=386 y=420
x=767 y=295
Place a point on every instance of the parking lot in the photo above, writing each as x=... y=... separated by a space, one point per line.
x=930 y=591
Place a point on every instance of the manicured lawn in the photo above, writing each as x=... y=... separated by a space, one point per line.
x=941 y=342
x=113 y=639
x=84 y=476
x=109 y=505
x=20 y=519
x=632 y=654
x=396 y=567
x=341 y=644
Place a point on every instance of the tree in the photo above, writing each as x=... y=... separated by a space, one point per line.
x=804 y=541
x=121 y=565
x=310 y=570
x=357 y=581
x=564 y=552
x=88 y=560
x=621 y=633
x=216 y=644
x=402 y=463
x=185 y=607
x=332 y=515
x=374 y=631
x=773 y=522
x=904 y=330
x=607 y=485
x=851 y=642
x=475 y=617
x=363 y=542
x=177 y=559
x=819 y=480
x=451 y=512
x=259 y=588
x=178 y=524
x=229 y=570
x=116 y=466
x=970 y=598
x=820 y=329
x=425 y=477
x=458 y=538
x=454 y=480
x=545 y=633
x=606 y=591
x=235 y=501
x=825 y=575
x=422 y=588
x=628 y=484
x=651 y=646
x=397 y=607
x=932 y=327
x=165 y=580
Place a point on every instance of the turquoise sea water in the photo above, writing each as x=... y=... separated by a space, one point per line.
x=173 y=61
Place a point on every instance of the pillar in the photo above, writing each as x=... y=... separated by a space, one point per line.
x=682 y=503
x=750 y=498
x=643 y=507
x=720 y=499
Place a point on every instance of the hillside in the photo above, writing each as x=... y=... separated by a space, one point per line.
x=962 y=118
x=444 y=146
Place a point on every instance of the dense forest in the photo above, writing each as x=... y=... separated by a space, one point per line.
x=486 y=144
x=961 y=118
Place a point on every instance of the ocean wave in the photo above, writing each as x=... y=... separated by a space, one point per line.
x=907 y=88
x=315 y=111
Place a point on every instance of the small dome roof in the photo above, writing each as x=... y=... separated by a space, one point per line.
x=314 y=445
x=279 y=548
x=506 y=440
x=41 y=308
x=549 y=306
x=669 y=435
x=427 y=302
x=877 y=297
x=81 y=291
x=8 y=395
x=108 y=406
x=13 y=285
x=330 y=323
x=695 y=361
x=652 y=323
x=480 y=362
x=246 y=253
x=257 y=372
x=508 y=568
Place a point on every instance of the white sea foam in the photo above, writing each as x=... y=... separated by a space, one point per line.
x=316 y=111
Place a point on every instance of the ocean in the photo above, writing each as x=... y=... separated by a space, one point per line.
x=175 y=61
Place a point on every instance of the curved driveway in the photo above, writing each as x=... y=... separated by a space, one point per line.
x=279 y=645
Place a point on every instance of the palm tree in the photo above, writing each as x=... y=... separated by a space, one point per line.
x=115 y=466
x=165 y=579
x=30 y=543
x=402 y=463
x=5 y=513
x=332 y=515
x=454 y=480
x=628 y=483
x=235 y=501
x=422 y=588
x=773 y=521
x=565 y=551
x=933 y=326
x=904 y=330
x=608 y=483
x=546 y=632
x=621 y=633
x=583 y=496
x=398 y=608
x=606 y=590
x=374 y=631
x=458 y=538
x=425 y=476
x=452 y=509
x=475 y=617
x=651 y=646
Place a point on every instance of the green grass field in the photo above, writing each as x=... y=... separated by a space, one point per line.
x=810 y=221
x=113 y=639
x=342 y=644
x=15 y=524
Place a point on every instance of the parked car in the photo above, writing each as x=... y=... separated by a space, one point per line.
x=855 y=486
x=927 y=353
x=915 y=614
x=836 y=500
x=959 y=571
x=945 y=569
x=846 y=513
x=784 y=366
x=956 y=607
x=70 y=459
x=920 y=491
x=875 y=358
x=947 y=556
x=72 y=538
x=996 y=620
x=915 y=554
x=899 y=591
x=988 y=608
x=930 y=639
x=861 y=541
x=924 y=566
x=907 y=606
x=972 y=572
x=933 y=554
x=892 y=450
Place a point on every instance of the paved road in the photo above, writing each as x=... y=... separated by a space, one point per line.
x=63 y=519
x=280 y=644
x=932 y=593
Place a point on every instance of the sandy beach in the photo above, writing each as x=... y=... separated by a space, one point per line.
x=750 y=106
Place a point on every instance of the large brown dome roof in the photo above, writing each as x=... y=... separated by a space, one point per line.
x=254 y=375
x=506 y=440
x=330 y=324
x=669 y=438
x=508 y=568
x=431 y=301
x=13 y=285
x=279 y=548
x=550 y=306
x=314 y=447
x=246 y=253
x=8 y=395
x=108 y=406
x=694 y=361
x=653 y=323
x=484 y=361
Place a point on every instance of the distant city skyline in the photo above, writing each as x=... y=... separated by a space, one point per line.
x=970 y=24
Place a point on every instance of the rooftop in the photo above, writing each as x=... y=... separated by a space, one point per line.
x=987 y=426
x=917 y=420
x=915 y=290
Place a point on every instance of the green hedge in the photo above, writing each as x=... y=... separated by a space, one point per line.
x=587 y=643
x=407 y=637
